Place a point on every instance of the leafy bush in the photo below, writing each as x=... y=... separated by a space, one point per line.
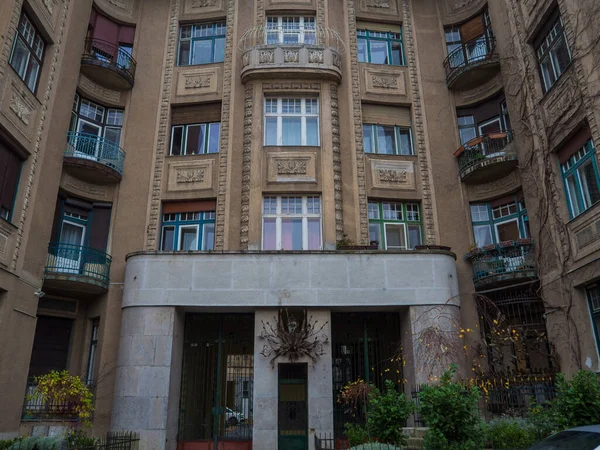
x=37 y=443
x=6 y=443
x=78 y=439
x=543 y=419
x=387 y=414
x=356 y=434
x=375 y=446
x=510 y=433
x=577 y=402
x=450 y=411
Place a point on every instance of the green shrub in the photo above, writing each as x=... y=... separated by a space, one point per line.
x=38 y=443
x=577 y=402
x=450 y=411
x=78 y=439
x=387 y=414
x=544 y=420
x=510 y=433
x=356 y=434
x=375 y=446
x=6 y=443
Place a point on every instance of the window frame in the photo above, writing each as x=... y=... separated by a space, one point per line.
x=582 y=157
x=6 y=211
x=92 y=352
x=594 y=312
x=216 y=27
x=520 y=216
x=304 y=215
x=103 y=124
x=302 y=30
x=407 y=224
x=368 y=38
x=397 y=133
x=36 y=39
x=279 y=115
x=552 y=37
x=178 y=223
x=205 y=138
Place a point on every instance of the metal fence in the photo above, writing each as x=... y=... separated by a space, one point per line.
x=69 y=259
x=471 y=52
x=105 y=52
x=36 y=409
x=488 y=147
x=114 y=440
x=95 y=148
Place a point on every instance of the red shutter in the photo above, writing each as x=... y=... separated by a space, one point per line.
x=183 y=207
x=126 y=34
x=471 y=29
x=573 y=145
x=106 y=30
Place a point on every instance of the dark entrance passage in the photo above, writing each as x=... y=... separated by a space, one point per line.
x=293 y=407
x=50 y=345
x=217 y=382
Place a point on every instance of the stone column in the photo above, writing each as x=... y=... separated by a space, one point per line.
x=320 y=388
x=148 y=375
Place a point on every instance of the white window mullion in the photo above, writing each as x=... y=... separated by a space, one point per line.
x=304 y=233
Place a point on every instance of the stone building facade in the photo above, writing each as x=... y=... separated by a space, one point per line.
x=183 y=183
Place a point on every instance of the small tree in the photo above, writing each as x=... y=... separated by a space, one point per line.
x=387 y=413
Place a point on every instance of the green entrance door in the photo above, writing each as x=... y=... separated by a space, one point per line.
x=293 y=407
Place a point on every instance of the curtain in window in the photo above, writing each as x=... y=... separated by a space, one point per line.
x=314 y=234
x=291 y=234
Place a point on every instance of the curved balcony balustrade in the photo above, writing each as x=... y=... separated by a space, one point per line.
x=279 y=53
x=503 y=264
x=487 y=158
x=93 y=158
x=74 y=268
x=108 y=64
x=472 y=64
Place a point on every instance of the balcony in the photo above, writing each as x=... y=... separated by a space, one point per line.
x=487 y=158
x=93 y=158
x=314 y=54
x=108 y=64
x=472 y=64
x=503 y=264
x=76 y=269
x=38 y=410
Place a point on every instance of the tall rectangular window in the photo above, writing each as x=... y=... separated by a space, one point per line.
x=10 y=170
x=380 y=47
x=201 y=43
x=501 y=220
x=395 y=225
x=91 y=366
x=291 y=30
x=292 y=223
x=553 y=53
x=292 y=121
x=195 y=139
x=387 y=139
x=189 y=231
x=582 y=179
x=27 y=52
x=593 y=295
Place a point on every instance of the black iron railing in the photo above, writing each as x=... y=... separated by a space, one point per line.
x=471 y=52
x=112 y=55
x=36 y=409
x=69 y=259
x=486 y=148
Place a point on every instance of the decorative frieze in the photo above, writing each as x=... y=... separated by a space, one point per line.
x=389 y=83
x=337 y=163
x=190 y=176
x=202 y=6
x=378 y=3
x=266 y=57
x=19 y=106
x=291 y=167
x=291 y=56
x=198 y=81
x=203 y=3
x=291 y=86
x=83 y=188
x=93 y=89
x=246 y=166
x=385 y=82
x=391 y=174
x=388 y=8
x=396 y=176
x=49 y=4
x=315 y=57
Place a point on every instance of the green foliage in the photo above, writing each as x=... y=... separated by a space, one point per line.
x=450 y=411
x=387 y=413
x=37 y=443
x=543 y=419
x=7 y=443
x=375 y=446
x=356 y=434
x=510 y=433
x=78 y=439
x=577 y=401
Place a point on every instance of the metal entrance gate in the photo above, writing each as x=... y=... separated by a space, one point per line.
x=217 y=381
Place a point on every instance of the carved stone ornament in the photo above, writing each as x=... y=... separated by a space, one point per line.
x=378 y=3
x=393 y=176
x=203 y=3
x=315 y=57
x=337 y=60
x=21 y=110
x=291 y=56
x=385 y=82
x=291 y=167
x=190 y=176
x=49 y=4
x=119 y=3
x=459 y=4
x=198 y=82
x=266 y=57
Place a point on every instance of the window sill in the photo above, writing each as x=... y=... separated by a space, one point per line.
x=180 y=66
x=197 y=155
x=404 y=66
x=388 y=155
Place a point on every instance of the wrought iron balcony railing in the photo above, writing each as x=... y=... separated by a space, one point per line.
x=95 y=148
x=486 y=149
x=469 y=53
x=509 y=260
x=36 y=409
x=110 y=55
x=75 y=260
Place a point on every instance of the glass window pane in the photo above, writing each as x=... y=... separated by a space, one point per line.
x=219 y=50
x=195 y=139
x=208 y=237
x=362 y=50
x=379 y=52
x=392 y=211
x=202 y=52
x=395 y=236
x=396 y=53
x=32 y=74
x=312 y=131
x=589 y=183
x=168 y=234
x=113 y=135
x=291 y=131
x=467 y=134
x=368 y=138
x=184 y=53
x=386 y=142
x=572 y=192
x=188 y=238
x=176 y=140
x=373 y=210
x=560 y=54
x=20 y=57
x=271 y=131
x=314 y=234
x=375 y=234
x=291 y=234
x=405 y=143
x=483 y=235
x=269 y=234
x=414 y=236
x=214 y=137
x=547 y=72
x=508 y=231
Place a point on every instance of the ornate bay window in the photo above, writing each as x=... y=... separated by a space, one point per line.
x=503 y=219
x=291 y=223
x=291 y=30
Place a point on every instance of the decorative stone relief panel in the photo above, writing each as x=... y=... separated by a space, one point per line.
x=19 y=107
x=291 y=3
x=203 y=6
x=389 y=82
x=85 y=189
x=562 y=103
x=291 y=167
x=502 y=186
x=119 y=9
x=585 y=233
x=460 y=10
x=389 y=174
x=478 y=94
x=96 y=92
x=378 y=8
x=205 y=81
x=190 y=176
